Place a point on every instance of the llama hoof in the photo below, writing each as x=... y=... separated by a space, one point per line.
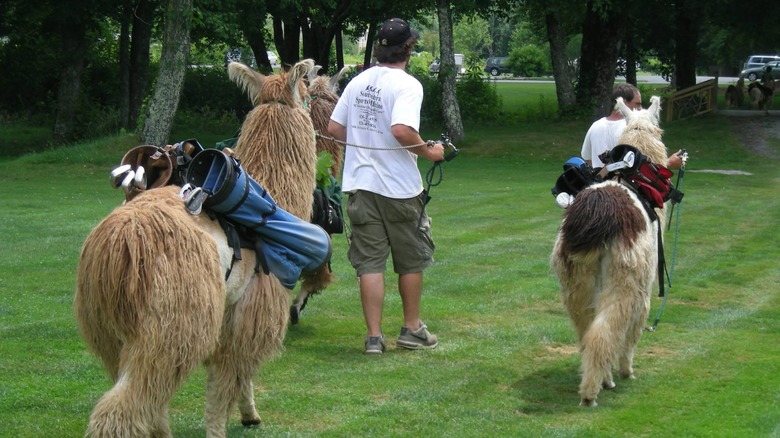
x=251 y=422
x=294 y=313
x=608 y=385
x=628 y=375
x=588 y=403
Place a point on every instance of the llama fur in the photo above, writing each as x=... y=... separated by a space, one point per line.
x=324 y=96
x=152 y=300
x=324 y=92
x=735 y=94
x=606 y=257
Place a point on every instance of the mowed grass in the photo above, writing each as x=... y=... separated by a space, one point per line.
x=507 y=364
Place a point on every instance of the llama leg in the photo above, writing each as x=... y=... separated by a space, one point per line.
x=598 y=347
x=299 y=303
x=579 y=283
x=626 y=359
x=221 y=395
x=246 y=405
x=131 y=408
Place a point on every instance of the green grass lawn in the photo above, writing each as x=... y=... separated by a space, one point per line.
x=507 y=364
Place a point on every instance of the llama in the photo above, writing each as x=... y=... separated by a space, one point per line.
x=606 y=258
x=324 y=95
x=761 y=95
x=735 y=94
x=152 y=299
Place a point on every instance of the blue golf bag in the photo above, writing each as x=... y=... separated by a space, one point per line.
x=290 y=246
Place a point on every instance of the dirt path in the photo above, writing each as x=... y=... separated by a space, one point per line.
x=756 y=131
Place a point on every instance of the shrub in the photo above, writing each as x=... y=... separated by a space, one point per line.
x=528 y=60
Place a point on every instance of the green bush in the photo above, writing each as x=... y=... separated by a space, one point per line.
x=528 y=61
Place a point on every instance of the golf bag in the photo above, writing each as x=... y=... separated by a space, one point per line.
x=650 y=180
x=290 y=246
x=576 y=176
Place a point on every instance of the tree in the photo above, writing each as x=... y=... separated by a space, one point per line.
x=170 y=79
x=601 y=37
x=449 y=100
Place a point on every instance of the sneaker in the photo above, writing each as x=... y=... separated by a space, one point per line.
x=420 y=339
x=375 y=344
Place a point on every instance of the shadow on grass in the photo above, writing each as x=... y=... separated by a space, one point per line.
x=550 y=390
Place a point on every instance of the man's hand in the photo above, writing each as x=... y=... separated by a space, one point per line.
x=676 y=160
x=408 y=136
x=435 y=151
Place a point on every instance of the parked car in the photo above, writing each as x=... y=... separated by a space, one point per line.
x=434 y=66
x=759 y=60
x=496 y=65
x=756 y=73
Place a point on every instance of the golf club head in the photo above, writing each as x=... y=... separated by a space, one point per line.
x=127 y=183
x=140 y=178
x=193 y=198
x=629 y=159
x=118 y=175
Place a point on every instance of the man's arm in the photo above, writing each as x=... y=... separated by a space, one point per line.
x=407 y=136
x=337 y=130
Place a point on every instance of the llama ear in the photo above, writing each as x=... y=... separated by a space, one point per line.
x=312 y=75
x=622 y=108
x=333 y=84
x=297 y=73
x=250 y=81
x=655 y=108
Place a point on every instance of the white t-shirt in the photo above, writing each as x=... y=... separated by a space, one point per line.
x=372 y=102
x=602 y=136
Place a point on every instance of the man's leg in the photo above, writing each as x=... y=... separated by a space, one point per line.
x=410 y=287
x=372 y=295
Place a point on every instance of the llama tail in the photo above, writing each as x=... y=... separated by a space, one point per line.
x=600 y=214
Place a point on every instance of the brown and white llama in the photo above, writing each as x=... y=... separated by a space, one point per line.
x=606 y=259
x=152 y=299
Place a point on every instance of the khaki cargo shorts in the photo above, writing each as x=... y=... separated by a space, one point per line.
x=383 y=226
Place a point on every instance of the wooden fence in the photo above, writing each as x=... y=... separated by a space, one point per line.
x=692 y=101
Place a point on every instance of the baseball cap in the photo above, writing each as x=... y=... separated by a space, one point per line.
x=395 y=31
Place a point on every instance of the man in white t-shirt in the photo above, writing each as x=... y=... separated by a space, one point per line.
x=605 y=132
x=378 y=116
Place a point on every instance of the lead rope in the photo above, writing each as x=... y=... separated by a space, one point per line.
x=670 y=272
x=429 y=176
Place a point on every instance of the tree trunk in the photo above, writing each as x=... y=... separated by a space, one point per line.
x=170 y=79
x=251 y=14
x=562 y=71
x=125 y=19
x=287 y=40
x=74 y=46
x=143 y=17
x=600 y=47
x=686 y=37
x=447 y=74
x=372 y=29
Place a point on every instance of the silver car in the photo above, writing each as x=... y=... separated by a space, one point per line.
x=756 y=73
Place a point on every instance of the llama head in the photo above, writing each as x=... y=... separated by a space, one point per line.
x=324 y=87
x=643 y=131
x=287 y=87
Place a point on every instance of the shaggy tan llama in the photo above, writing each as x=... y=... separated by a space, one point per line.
x=324 y=95
x=278 y=142
x=152 y=301
x=605 y=257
